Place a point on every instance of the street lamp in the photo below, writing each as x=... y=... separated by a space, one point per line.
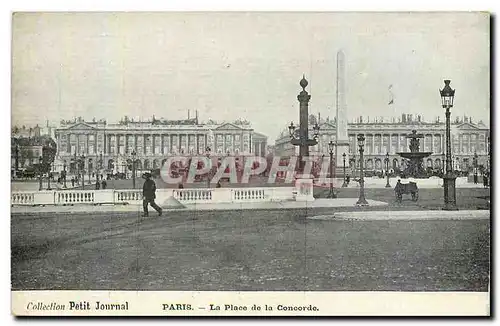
x=474 y=162
x=89 y=169
x=209 y=173
x=48 y=176
x=16 y=158
x=345 y=179
x=133 y=168
x=442 y=163
x=450 y=201
x=442 y=167
x=82 y=163
x=387 y=185
x=353 y=165
x=40 y=159
x=100 y=163
x=64 y=170
x=331 y=146
x=362 y=200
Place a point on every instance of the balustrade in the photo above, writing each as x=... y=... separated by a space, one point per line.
x=134 y=196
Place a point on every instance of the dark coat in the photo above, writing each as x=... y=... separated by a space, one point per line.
x=149 y=189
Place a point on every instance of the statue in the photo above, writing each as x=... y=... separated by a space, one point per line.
x=414 y=141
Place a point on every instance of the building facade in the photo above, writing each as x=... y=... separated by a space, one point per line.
x=468 y=138
x=109 y=146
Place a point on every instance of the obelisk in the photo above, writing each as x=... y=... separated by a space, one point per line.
x=342 y=138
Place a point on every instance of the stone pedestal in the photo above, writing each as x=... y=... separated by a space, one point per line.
x=304 y=189
x=450 y=200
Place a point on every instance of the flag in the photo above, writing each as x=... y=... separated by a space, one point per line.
x=391 y=101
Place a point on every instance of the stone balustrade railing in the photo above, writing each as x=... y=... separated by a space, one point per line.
x=134 y=196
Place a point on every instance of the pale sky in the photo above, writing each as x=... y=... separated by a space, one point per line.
x=248 y=65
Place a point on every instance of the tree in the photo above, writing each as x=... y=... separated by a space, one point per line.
x=49 y=151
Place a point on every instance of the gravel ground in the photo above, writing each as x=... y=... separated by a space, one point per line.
x=247 y=250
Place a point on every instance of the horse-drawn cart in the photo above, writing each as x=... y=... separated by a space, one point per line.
x=405 y=189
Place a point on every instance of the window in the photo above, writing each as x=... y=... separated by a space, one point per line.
x=437 y=144
x=394 y=144
x=368 y=144
x=378 y=144
x=385 y=144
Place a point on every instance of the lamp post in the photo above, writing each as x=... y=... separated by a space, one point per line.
x=387 y=185
x=302 y=139
x=442 y=167
x=474 y=162
x=450 y=201
x=64 y=169
x=331 y=146
x=133 y=168
x=49 y=168
x=209 y=173
x=345 y=179
x=100 y=163
x=354 y=165
x=40 y=159
x=89 y=169
x=16 y=160
x=82 y=162
x=362 y=200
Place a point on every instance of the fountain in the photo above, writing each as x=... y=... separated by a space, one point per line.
x=415 y=167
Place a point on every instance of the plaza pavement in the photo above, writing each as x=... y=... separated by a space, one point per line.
x=406 y=215
x=343 y=208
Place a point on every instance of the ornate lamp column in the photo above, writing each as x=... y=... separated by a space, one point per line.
x=331 y=146
x=344 y=184
x=450 y=201
x=362 y=200
x=387 y=185
x=302 y=139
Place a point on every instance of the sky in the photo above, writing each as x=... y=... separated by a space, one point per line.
x=245 y=65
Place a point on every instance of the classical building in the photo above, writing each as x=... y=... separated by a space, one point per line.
x=390 y=137
x=109 y=146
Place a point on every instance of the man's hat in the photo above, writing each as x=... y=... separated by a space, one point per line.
x=147 y=175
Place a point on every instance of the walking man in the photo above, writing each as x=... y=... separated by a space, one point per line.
x=148 y=193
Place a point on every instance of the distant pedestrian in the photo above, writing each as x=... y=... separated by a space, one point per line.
x=97 y=185
x=72 y=182
x=218 y=185
x=485 y=180
x=104 y=184
x=348 y=179
x=475 y=178
x=149 y=195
